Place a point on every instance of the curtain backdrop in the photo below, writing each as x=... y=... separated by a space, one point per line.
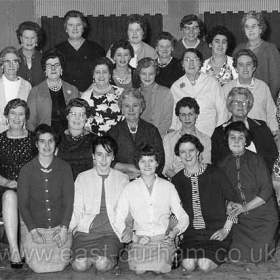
x=232 y=21
x=103 y=30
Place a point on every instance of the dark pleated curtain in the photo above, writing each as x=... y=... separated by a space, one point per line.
x=103 y=30
x=232 y=21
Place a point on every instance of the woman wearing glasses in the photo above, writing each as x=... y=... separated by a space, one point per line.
x=193 y=31
x=75 y=145
x=202 y=87
x=254 y=26
x=11 y=85
x=47 y=101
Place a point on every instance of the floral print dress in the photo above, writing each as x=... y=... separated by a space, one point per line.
x=105 y=111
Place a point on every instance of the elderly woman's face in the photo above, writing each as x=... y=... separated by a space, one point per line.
x=53 y=69
x=122 y=57
x=191 y=63
x=219 y=45
x=77 y=118
x=252 y=29
x=135 y=33
x=236 y=141
x=16 y=117
x=74 y=28
x=239 y=107
x=164 y=48
x=101 y=75
x=148 y=165
x=188 y=154
x=245 y=67
x=191 y=31
x=131 y=108
x=29 y=40
x=10 y=65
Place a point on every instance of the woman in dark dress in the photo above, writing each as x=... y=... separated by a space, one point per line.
x=79 y=52
x=203 y=190
x=75 y=145
x=253 y=235
x=16 y=149
x=47 y=101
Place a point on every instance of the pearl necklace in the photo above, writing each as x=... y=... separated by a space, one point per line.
x=120 y=80
x=162 y=65
x=131 y=131
x=102 y=91
x=56 y=87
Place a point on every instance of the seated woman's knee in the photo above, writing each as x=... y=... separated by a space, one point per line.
x=9 y=196
x=206 y=265
x=81 y=264
x=103 y=264
x=189 y=264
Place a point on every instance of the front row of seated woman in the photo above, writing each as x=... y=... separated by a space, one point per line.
x=229 y=212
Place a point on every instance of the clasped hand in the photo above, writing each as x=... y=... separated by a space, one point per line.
x=60 y=236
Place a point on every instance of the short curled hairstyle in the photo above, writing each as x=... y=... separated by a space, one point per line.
x=187 y=102
x=188 y=138
x=75 y=14
x=188 y=19
x=235 y=91
x=107 y=142
x=245 y=52
x=13 y=104
x=135 y=18
x=53 y=53
x=166 y=36
x=220 y=30
x=146 y=62
x=7 y=50
x=145 y=149
x=195 y=51
x=44 y=128
x=240 y=127
x=134 y=93
x=258 y=17
x=78 y=102
x=124 y=44
x=33 y=26
x=103 y=61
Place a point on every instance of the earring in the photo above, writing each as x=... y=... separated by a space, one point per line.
x=61 y=72
x=7 y=122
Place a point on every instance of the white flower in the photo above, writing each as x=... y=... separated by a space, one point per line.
x=101 y=107
x=115 y=107
x=69 y=91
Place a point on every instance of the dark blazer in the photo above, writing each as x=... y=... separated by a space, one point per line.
x=146 y=132
x=261 y=137
x=40 y=103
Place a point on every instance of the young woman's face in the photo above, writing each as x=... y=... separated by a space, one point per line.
x=135 y=33
x=16 y=117
x=103 y=159
x=236 y=141
x=191 y=31
x=164 y=48
x=77 y=118
x=122 y=57
x=46 y=144
x=148 y=165
x=147 y=75
x=188 y=154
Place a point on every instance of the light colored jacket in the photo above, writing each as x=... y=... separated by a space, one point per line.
x=88 y=190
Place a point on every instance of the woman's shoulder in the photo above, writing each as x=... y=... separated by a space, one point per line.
x=118 y=175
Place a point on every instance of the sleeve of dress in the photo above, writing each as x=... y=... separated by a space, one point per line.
x=168 y=152
x=221 y=108
x=273 y=70
x=207 y=151
x=263 y=179
x=122 y=212
x=67 y=194
x=78 y=211
x=228 y=190
x=31 y=123
x=159 y=148
x=271 y=110
x=167 y=112
x=23 y=194
x=175 y=119
x=76 y=92
x=177 y=209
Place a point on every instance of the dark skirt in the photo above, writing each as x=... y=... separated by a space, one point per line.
x=196 y=244
x=92 y=245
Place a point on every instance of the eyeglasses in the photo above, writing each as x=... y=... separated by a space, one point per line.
x=50 y=66
x=188 y=60
x=254 y=26
x=74 y=115
x=189 y=28
x=240 y=103
x=183 y=115
x=9 y=62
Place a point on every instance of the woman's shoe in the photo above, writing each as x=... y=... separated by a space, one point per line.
x=16 y=265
